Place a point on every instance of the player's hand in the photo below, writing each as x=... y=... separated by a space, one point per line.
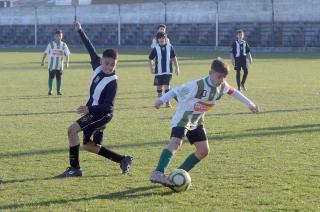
x=83 y=110
x=77 y=25
x=254 y=108
x=233 y=62
x=158 y=104
x=152 y=70
x=66 y=64
x=177 y=71
x=42 y=63
x=250 y=61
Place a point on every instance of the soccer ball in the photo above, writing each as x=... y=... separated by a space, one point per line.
x=181 y=180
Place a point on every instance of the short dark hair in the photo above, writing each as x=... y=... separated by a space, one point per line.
x=113 y=53
x=161 y=26
x=58 y=31
x=220 y=66
x=240 y=31
x=161 y=35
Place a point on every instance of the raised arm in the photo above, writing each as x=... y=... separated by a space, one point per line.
x=95 y=59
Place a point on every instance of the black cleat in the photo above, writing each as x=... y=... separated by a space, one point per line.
x=125 y=164
x=49 y=93
x=59 y=93
x=70 y=172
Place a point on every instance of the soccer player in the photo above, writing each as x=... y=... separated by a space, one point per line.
x=160 y=28
x=56 y=50
x=160 y=59
x=97 y=112
x=240 y=52
x=194 y=99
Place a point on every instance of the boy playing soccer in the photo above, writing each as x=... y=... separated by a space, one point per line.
x=56 y=50
x=239 y=53
x=194 y=99
x=97 y=112
x=160 y=60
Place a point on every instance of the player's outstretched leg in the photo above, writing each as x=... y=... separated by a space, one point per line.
x=159 y=177
x=70 y=172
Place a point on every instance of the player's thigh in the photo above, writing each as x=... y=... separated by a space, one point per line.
x=176 y=138
x=166 y=79
x=74 y=128
x=58 y=74
x=197 y=135
x=51 y=74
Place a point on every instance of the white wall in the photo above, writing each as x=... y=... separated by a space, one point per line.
x=177 y=12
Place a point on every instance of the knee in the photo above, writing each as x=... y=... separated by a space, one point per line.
x=203 y=153
x=72 y=131
x=87 y=147
x=174 y=144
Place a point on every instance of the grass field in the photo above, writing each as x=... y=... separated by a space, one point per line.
x=258 y=162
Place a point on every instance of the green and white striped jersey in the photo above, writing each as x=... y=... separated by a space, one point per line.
x=56 y=52
x=194 y=99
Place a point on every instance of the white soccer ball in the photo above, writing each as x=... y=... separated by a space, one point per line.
x=181 y=180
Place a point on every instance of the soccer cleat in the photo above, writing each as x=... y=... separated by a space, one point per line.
x=70 y=172
x=243 y=87
x=159 y=177
x=49 y=93
x=125 y=164
x=59 y=93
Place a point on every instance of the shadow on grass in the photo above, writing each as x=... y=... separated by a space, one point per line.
x=272 y=131
x=145 y=191
x=65 y=150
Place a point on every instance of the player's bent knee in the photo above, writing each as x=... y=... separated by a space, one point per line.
x=203 y=153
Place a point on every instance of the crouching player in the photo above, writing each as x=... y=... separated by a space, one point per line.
x=194 y=99
x=97 y=112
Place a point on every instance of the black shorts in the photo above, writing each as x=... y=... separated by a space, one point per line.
x=162 y=79
x=55 y=73
x=241 y=63
x=93 y=126
x=196 y=135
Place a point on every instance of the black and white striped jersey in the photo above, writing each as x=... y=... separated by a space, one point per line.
x=240 y=49
x=103 y=87
x=162 y=56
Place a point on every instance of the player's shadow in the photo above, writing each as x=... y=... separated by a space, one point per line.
x=145 y=191
x=271 y=131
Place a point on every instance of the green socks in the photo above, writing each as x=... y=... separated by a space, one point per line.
x=59 y=86
x=50 y=83
x=164 y=160
x=189 y=163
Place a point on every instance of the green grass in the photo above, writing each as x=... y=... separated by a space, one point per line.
x=263 y=162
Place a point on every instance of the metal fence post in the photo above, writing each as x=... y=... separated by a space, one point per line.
x=35 y=26
x=217 y=23
x=119 y=25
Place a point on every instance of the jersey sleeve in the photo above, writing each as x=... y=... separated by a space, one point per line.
x=153 y=54
x=186 y=91
x=172 y=53
x=66 y=50
x=47 y=51
x=228 y=89
x=247 y=48
x=233 y=49
x=95 y=59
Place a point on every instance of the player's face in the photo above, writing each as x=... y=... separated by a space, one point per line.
x=58 y=37
x=216 y=77
x=108 y=64
x=162 y=41
x=162 y=29
x=240 y=36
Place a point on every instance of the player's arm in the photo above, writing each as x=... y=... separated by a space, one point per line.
x=239 y=96
x=110 y=92
x=233 y=53
x=248 y=52
x=154 y=43
x=67 y=55
x=95 y=59
x=45 y=54
x=152 y=56
x=175 y=61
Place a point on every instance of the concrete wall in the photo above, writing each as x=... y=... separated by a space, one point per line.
x=176 y=12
